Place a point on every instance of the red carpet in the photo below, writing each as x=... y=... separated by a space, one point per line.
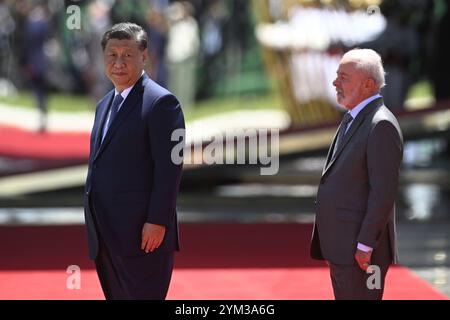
x=218 y=261
x=50 y=145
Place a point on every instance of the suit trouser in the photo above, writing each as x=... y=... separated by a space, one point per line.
x=352 y=283
x=138 y=277
x=141 y=277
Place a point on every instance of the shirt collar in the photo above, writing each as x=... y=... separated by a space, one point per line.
x=126 y=91
x=354 y=112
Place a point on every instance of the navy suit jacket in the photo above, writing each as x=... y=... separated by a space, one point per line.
x=131 y=177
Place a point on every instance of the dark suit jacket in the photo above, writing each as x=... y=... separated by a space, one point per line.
x=356 y=196
x=131 y=178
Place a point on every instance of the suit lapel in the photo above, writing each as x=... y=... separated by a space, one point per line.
x=330 y=151
x=103 y=112
x=132 y=98
x=371 y=107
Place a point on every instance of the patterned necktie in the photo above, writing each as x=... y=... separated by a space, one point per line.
x=114 y=109
x=342 y=130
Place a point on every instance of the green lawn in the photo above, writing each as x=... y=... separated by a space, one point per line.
x=222 y=105
x=73 y=103
x=56 y=102
x=77 y=103
x=422 y=89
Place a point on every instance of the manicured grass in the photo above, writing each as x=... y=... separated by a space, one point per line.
x=56 y=102
x=78 y=103
x=217 y=106
x=73 y=103
x=422 y=89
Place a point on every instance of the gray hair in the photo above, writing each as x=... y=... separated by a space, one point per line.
x=369 y=62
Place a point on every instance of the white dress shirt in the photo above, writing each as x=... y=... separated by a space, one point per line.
x=354 y=112
x=124 y=95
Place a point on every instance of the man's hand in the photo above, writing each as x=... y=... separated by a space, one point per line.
x=363 y=259
x=152 y=236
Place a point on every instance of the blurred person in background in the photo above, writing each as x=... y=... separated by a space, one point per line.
x=182 y=52
x=355 y=205
x=36 y=32
x=439 y=53
x=440 y=50
x=132 y=182
x=157 y=29
x=126 y=10
x=7 y=27
x=398 y=46
x=98 y=23
x=213 y=23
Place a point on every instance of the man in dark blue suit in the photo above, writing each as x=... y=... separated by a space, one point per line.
x=132 y=182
